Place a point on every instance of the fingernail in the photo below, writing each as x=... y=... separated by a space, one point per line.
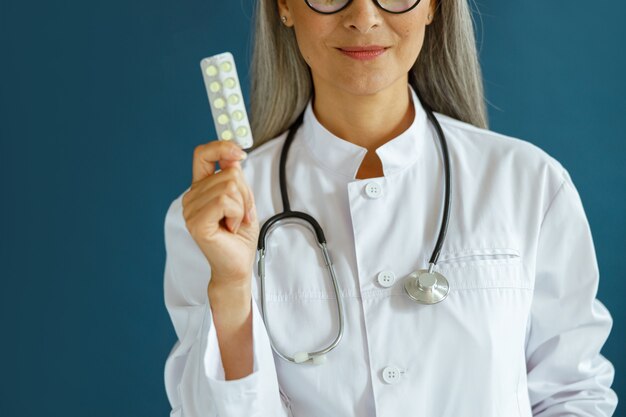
x=239 y=153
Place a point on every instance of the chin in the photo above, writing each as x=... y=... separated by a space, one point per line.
x=366 y=85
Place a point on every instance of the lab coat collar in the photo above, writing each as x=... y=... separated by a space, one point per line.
x=344 y=157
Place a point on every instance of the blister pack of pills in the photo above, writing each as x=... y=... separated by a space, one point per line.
x=227 y=105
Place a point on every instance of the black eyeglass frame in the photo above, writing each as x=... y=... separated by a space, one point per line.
x=350 y=1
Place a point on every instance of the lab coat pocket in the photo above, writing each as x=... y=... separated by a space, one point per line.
x=486 y=314
x=487 y=267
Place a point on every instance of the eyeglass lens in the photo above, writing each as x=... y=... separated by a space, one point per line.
x=331 y=6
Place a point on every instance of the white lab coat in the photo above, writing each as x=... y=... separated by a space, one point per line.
x=518 y=335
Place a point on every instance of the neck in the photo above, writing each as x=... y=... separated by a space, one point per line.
x=365 y=120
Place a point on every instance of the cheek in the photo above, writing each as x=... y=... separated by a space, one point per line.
x=412 y=42
x=310 y=31
x=309 y=44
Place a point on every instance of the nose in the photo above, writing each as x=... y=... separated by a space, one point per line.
x=362 y=15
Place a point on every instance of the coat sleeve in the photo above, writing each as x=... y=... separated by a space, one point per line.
x=566 y=373
x=194 y=375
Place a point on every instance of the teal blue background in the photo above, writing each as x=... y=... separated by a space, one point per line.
x=101 y=105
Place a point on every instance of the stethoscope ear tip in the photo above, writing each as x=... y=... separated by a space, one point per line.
x=300 y=357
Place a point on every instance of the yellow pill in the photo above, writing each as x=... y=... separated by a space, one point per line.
x=227 y=135
x=211 y=70
x=230 y=82
x=233 y=99
x=225 y=66
x=215 y=86
x=238 y=115
x=222 y=119
x=242 y=131
x=219 y=103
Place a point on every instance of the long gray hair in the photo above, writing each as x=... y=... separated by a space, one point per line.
x=447 y=72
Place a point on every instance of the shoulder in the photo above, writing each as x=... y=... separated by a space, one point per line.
x=490 y=148
x=516 y=168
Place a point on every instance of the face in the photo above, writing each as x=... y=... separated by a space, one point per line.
x=321 y=38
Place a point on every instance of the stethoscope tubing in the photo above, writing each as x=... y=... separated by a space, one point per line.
x=446 y=166
x=289 y=216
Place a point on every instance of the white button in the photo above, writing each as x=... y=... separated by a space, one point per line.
x=373 y=189
x=386 y=278
x=391 y=374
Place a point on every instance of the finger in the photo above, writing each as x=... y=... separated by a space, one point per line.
x=238 y=176
x=251 y=208
x=206 y=155
x=227 y=164
x=224 y=207
x=226 y=184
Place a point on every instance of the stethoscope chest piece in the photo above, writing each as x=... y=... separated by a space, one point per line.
x=426 y=287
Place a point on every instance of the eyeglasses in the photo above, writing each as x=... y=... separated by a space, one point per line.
x=333 y=6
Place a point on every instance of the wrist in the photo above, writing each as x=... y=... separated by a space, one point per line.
x=230 y=285
x=231 y=295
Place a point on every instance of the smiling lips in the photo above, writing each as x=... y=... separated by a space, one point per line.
x=363 y=53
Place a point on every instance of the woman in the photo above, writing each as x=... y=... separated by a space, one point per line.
x=520 y=330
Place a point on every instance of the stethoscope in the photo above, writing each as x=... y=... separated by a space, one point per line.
x=423 y=286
